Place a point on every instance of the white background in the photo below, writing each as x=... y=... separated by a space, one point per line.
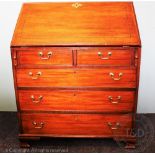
x=145 y=12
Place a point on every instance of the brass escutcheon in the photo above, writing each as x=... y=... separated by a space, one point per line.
x=76 y=5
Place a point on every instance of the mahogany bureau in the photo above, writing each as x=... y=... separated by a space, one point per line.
x=76 y=70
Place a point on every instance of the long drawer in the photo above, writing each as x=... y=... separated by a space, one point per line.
x=76 y=100
x=124 y=78
x=76 y=124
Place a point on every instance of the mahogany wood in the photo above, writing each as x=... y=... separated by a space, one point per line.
x=76 y=100
x=118 y=57
x=76 y=70
x=90 y=24
x=75 y=124
x=76 y=77
x=30 y=56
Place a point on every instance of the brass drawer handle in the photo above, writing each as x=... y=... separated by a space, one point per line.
x=35 y=77
x=41 y=55
x=115 y=102
x=116 y=79
x=104 y=58
x=36 y=101
x=38 y=125
x=115 y=126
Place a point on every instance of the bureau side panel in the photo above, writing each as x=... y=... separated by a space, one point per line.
x=14 y=65
x=137 y=64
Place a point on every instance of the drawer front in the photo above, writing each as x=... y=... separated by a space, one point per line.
x=76 y=124
x=61 y=100
x=77 y=77
x=44 y=56
x=105 y=56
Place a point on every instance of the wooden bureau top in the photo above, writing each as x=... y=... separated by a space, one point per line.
x=85 y=24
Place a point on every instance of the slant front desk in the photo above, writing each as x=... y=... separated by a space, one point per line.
x=76 y=70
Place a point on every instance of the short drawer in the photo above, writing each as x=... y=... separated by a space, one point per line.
x=76 y=77
x=82 y=125
x=44 y=56
x=76 y=100
x=105 y=56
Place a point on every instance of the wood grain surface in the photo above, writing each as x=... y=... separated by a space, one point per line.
x=31 y=56
x=76 y=100
x=76 y=77
x=108 y=23
x=76 y=124
x=100 y=56
x=76 y=69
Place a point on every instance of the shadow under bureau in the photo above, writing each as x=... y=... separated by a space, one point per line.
x=76 y=70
